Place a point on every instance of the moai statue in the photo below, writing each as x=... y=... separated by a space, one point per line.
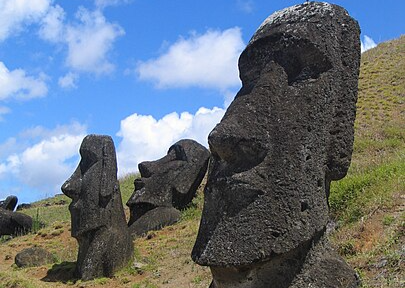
x=98 y=219
x=166 y=186
x=9 y=203
x=287 y=134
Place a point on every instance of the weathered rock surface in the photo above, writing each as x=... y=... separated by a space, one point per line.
x=33 y=257
x=97 y=214
x=170 y=182
x=14 y=223
x=287 y=134
x=154 y=219
x=9 y=203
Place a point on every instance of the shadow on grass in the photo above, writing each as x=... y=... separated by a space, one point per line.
x=62 y=272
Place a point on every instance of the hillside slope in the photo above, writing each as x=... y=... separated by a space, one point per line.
x=367 y=207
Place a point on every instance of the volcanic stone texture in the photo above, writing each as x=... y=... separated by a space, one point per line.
x=33 y=257
x=166 y=186
x=14 y=223
x=97 y=214
x=287 y=134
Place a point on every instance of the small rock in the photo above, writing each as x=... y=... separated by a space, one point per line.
x=138 y=265
x=150 y=235
x=33 y=257
x=382 y=263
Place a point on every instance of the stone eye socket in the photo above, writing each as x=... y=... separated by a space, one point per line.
x=88 y=160
x=300 y=59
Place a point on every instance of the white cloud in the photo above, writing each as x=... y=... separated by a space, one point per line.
x=4 y=110
x=104 y=3
x=52 y=26
x=89 y=42
x=367 y=43
x=40 y=132
x=16 y=84
x=209 y=61
x=246 y=6
x=145 y=138
x=47 y=163
x=68 y=81
x=15 y=13
x=8 y=147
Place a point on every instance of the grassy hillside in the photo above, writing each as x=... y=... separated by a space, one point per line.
x=367 y=207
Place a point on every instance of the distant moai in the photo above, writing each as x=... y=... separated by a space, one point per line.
x=9 y=203
x=97 y=214
x=288 y=133
x=13 y=223
x=166 y=186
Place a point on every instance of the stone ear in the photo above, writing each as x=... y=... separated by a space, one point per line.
x=108 y=172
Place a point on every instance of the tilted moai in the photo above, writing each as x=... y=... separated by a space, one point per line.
x=98 y=219
x=166 y=186
x=13 y=223
x=287 y=134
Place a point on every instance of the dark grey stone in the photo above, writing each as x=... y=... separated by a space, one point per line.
x=154 y=219
x=14 y=223
x=97 y=214
x=23 y=206
x=34 y=257
x=287 y=134
x=9 y=203
x=169 y=182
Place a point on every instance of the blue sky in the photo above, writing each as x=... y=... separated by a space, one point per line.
x=148 y=73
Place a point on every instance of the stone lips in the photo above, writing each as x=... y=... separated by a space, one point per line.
x=169 y=183
x=98 y=219
x=287 y=134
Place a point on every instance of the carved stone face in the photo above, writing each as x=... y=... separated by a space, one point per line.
x=287 y=134
x=170 y=181
x=92 y=185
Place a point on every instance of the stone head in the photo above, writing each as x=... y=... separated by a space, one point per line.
x=93 y=187
x=170 y=181
x=286 y=135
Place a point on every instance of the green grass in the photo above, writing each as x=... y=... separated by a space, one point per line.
x=14 y=280
x=362 y=191
x=127 y=186
x=368 y=203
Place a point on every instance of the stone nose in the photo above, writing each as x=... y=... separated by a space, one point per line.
x=241 y=151
x=71 y=187
x=146 y=169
